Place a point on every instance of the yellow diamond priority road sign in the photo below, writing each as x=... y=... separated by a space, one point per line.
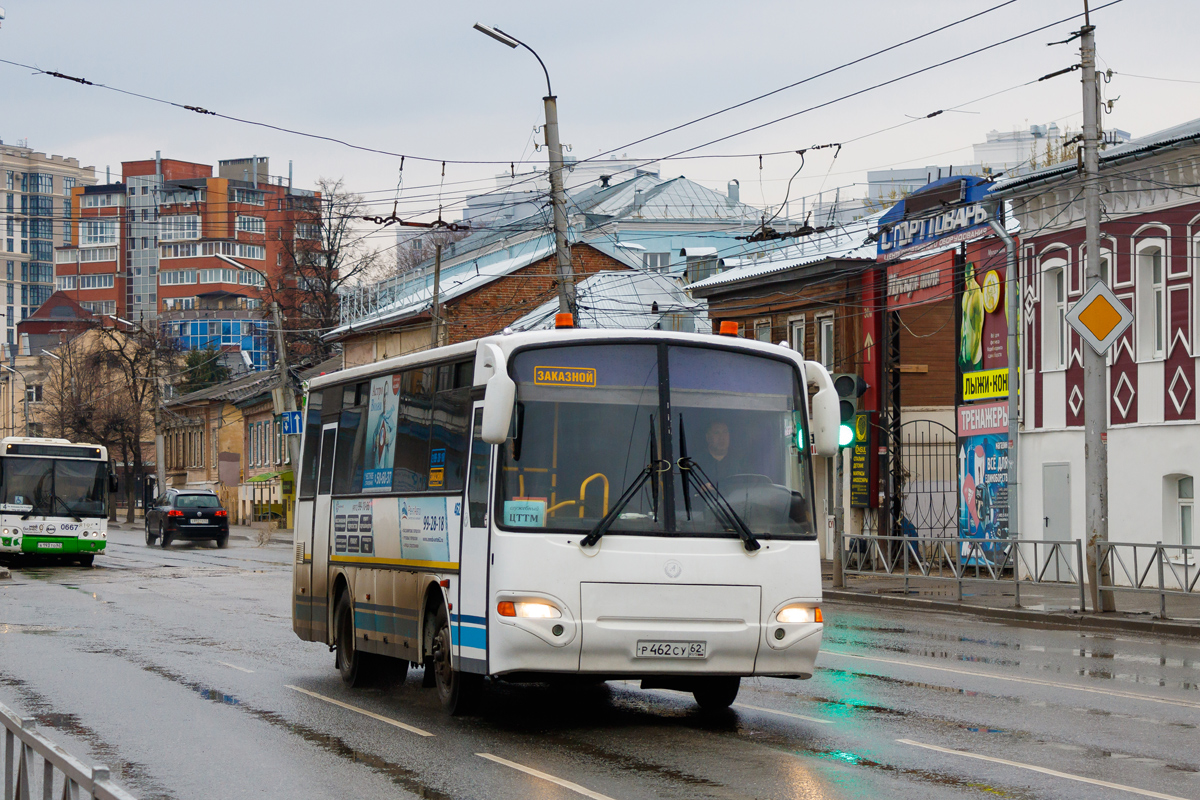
x=1100 y=317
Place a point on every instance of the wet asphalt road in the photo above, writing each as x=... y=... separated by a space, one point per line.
x=175 y=669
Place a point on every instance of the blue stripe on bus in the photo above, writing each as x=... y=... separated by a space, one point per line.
x=385 y=624
x=468 y=618
x=468 y=637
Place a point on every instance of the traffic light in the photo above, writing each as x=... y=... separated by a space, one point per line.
x=849 y=388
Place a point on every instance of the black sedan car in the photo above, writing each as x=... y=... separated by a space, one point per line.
x=187 y=514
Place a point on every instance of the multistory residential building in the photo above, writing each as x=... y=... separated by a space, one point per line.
x=36 y=195
x=193 y=253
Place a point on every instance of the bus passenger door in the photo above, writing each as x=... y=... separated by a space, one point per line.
x=322 y=524
x=469 y=624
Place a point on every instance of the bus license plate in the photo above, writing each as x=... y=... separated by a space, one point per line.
x=50 y=545
x=652 y=648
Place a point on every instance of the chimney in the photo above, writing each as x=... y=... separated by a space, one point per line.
x=108 y=174
x=604 y=179
x=289 y=176
x=638 y=200
x=158 y=163
x=734 y=193
x=24 y=344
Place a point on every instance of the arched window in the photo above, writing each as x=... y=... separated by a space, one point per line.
x=1151 y=300
x=1054 y=314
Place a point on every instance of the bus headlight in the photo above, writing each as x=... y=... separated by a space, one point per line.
x=508 y=608
x=799 y=614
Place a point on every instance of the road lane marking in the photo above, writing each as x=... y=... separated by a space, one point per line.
x=1044 y=771
x=574 y=787
x=782 y=713
x=363 y=711
x=234 y=666
x=1033 y=681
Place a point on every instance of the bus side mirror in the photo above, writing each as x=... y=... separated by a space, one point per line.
x=826 y=416
x=498 y=398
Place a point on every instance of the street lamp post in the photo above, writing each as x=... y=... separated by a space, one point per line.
x=558 y=200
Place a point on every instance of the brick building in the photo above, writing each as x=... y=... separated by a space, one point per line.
x=176 y=245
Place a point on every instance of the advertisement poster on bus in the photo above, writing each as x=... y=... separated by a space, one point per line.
x=983 y=470
x=425 y=528
x=354 y=527
x=983 y=323
x=381 y=430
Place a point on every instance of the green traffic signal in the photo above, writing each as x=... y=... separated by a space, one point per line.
x=845 y=434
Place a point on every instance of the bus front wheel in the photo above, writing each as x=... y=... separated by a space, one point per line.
x=458 y=691
x=716 y=693
x=354 y=665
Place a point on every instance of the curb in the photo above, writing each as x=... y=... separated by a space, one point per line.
x=1073 y=620
x=5 y=574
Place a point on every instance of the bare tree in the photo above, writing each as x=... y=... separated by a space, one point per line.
x=101 y=386
x=323 y=252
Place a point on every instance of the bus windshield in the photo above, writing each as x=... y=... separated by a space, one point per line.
x=591 y=434
x=54 y=487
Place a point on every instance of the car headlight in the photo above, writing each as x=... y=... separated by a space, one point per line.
x=799 y=614
x=508 y=608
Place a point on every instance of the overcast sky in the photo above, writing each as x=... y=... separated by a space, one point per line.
x=415 y=78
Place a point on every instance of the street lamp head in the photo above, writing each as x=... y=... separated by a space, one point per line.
x=500 y=37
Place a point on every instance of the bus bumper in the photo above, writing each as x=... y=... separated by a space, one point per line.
x=51 y=546
x=647 y=630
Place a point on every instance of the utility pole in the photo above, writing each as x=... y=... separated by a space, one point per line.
x=1095 y=378
x=839 y=522
x=558 y=199
x=285 y=388
x=435 y=310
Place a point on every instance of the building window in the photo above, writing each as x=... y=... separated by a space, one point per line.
x=67 y=185
x=762 y=330
x=796 y=335
x=1151 y=301
x=825 y=326
x=251 y=224
x=306 y=230
x=97 y=232
x=33 y=393
x=658 y=261
x=179 y=226
x=1054 y=316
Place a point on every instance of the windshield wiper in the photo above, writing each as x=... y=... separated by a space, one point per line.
x=630 y=492
x=711 y=495
x=716 y=501
x=63 y=503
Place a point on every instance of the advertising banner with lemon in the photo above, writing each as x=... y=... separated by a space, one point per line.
x=983 y=330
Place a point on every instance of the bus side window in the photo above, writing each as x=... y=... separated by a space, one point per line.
x=326 y=479
x=481 y=462
x=307 y=468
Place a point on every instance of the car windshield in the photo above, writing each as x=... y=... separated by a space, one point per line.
x=54 y=487
x=197 y=501
x=589 y=423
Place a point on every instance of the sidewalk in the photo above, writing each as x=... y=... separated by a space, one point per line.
x=1054 y=605
x=242 y=532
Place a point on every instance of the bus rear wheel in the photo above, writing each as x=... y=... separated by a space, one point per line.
x=458 y=691
x=355 y=666
x=87 y=559
x=716 y=693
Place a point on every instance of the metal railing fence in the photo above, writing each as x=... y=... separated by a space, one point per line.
x=960 y=559
x=23 y=744
x=1162 y=569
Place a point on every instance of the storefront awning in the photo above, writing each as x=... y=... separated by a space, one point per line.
x=266 y=476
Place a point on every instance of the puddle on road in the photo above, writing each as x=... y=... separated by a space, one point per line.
x=42 y=630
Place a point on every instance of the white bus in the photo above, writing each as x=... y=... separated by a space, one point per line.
x=54 y=498
x=596 y=503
